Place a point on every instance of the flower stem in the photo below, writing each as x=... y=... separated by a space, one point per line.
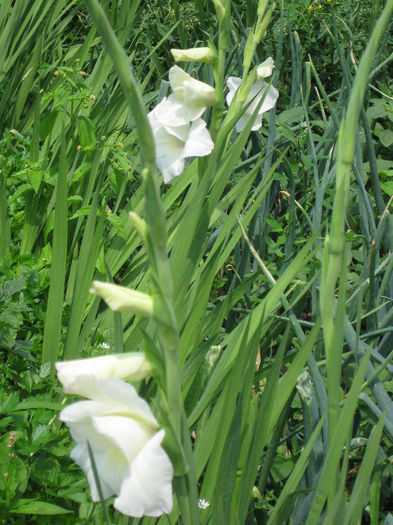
x=156 y=246
x=219 y=68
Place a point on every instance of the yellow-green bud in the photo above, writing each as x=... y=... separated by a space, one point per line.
x=194 y=54
x=262 y=7
x=139 y=223
x=122 y=299
x=220 y=9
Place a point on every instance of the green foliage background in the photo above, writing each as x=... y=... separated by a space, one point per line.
x=246 y=250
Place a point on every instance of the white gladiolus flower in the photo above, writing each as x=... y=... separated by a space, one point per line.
x=76 y=375
x=257 y=91
x=176 y=138
x=125 y=441
x=193 y=95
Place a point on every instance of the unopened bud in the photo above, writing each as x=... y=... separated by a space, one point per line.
x=77 y=375
x=122 y=299
x=139 y=223
x=194 y=54
x=220 y=9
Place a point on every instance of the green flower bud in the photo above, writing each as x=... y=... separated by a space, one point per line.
x=194 y=54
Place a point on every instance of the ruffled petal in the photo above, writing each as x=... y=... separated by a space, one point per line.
x=233 y=83
x=189 y=90
x=122 y=398
x=169 y=111
x=80 y=454
x=148 y=491
x=170 y=166
x=169 y=142
x=190 y=110
x=78 y=417
x=199 y=142
x=270 y=100
x=127 y=435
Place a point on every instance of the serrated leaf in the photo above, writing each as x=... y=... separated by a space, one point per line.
x=80 y=172
x=9 y=402
x=82 y=212
x=11 y=287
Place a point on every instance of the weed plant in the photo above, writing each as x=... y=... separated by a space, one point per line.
x=279 y=246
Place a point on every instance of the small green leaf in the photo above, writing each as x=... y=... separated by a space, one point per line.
x=387 y=187
x=35 y=178
x=82 y=212
x=86 y=131
x=386 y=137
x=81 y=171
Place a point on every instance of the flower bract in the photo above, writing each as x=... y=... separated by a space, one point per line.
x=125 y=441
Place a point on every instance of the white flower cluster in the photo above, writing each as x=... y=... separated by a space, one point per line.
x=121 y=430
x=255 y=95
x=178 y=129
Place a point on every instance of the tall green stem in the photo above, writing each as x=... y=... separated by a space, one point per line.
x=334 y=251
x=156 y=245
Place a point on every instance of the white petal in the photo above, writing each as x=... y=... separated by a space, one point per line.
x=168 y=133
x=257 y=91
x=170 y=167
x=148 y=490
x=170 y=150
x=233 y=83
x=257 y=122
x=78 y=417
x=111 y=396
x=169 y=111
x=128 y=435
x=240 y=124
x=167 y=144
x=266 y=68
x=199 y=142
x=270 y=100
x=80 y=455
x=122 y=398
x=190 y=109
x=177 y=76
x=189 y=90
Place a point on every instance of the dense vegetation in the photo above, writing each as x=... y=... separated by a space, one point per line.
x=278 y=408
